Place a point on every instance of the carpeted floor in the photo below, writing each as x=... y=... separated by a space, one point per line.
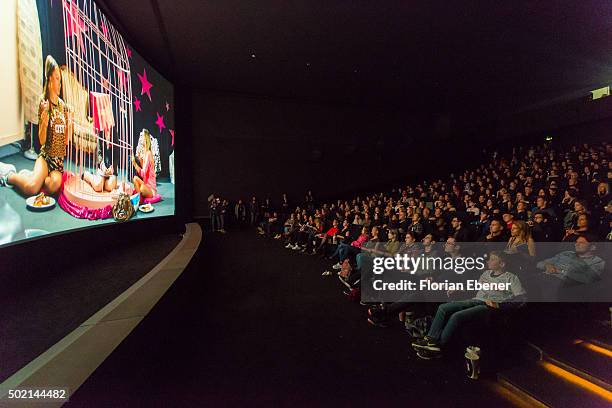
x=72 y=290
x=249 y=323
x=56 y=219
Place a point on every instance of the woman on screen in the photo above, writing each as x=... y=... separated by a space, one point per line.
x=55 y=123
x=103 y=179
x=146 y=181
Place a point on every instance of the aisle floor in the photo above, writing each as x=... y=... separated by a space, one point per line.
x=249 y=323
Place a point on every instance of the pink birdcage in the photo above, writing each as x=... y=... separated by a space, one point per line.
x=97 y=87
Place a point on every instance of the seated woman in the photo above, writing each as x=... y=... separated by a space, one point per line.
x=521 y=245
x=341 y=236
x=146 y=181
x=55 y=125
x=103 y=179
x=577 y=208
x=345 y=251
x=450 y=316
x=372 y=249
x=581 y=228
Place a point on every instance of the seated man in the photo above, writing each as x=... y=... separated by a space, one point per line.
x=450 y=316
x=496 y=232
x=540 y=227
x=580 y=265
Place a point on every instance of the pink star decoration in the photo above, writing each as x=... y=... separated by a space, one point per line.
x=172 y=134
x=146 y=85
x=160 y=122
x=137 y=104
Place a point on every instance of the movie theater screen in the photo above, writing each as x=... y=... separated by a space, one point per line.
x=86 y=125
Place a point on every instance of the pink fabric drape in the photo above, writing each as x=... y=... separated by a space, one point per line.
x=102 y=114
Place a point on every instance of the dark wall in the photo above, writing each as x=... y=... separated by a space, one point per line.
x=184 y=179
x=573 y=118
x=244 y=145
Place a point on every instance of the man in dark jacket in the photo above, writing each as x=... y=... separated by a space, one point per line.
x=496 y=233
x=460 y=233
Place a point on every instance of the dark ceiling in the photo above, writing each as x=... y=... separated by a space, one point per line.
x=434 y=55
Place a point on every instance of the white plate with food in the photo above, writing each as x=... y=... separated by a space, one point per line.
x=146 y=208
x=40 y=202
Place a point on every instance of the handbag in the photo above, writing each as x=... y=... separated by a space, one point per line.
x=123 y=208
x=345 y=269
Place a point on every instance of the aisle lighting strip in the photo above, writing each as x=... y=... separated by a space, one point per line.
x=593 y=347
x=581 y=382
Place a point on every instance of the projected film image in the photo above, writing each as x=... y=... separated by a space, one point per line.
x=87 y=126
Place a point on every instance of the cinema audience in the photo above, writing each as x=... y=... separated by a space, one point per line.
x=520 y=200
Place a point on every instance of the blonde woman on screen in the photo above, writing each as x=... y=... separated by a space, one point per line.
x=145 y=182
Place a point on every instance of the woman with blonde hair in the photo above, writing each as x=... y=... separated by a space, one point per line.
x=55 y=124
x=520 y=239
x=145 y=182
